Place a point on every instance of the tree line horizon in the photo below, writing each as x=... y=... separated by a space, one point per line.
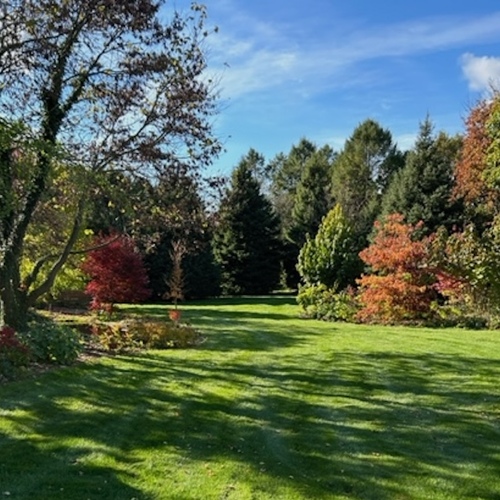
x=106 y=128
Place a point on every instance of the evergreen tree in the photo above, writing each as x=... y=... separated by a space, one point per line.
x=361 y=174
x=246 y=244
x=174 y=214
x=286 y=172
x=300 y=194
x=328 y=259
x=312 y=196
x=287 y=169
x=422 y=190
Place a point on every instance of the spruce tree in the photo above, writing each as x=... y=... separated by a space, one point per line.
x=300 y=193
x=422 y=190
x=312 y=198
x=246 y=244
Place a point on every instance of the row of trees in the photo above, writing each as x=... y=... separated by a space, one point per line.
x=433 y=250
x=368 y=179
x=304 y=217
x=105 y=125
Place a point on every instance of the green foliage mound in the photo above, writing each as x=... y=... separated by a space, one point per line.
x=327 y=265
x=328 y=258
x=320 y=302
x=52 y=343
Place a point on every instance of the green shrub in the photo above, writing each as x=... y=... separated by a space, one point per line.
x=151 y=334
x=320 y=302
x=53 y=343
x=461 y=316
x=328 y=258
x=14 y=355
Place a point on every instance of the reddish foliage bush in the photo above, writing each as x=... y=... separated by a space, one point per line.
x=401 y=287
x=13 y=353
x=117 y=273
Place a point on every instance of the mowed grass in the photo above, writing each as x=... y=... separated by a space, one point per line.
x=270 y=406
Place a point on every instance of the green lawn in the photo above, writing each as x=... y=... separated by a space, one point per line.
x=270 y=406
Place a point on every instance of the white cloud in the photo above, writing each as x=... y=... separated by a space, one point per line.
x=482 y=72
x=261 y=57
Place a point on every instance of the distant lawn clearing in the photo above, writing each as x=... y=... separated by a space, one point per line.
x=270 y=406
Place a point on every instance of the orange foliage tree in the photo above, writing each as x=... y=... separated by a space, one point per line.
x=472 y=172
x=400 y=286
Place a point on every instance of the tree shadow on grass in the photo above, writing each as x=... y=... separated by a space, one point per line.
x=56 y=473
x=237 y=329
x=373 y=426
x=211 y=309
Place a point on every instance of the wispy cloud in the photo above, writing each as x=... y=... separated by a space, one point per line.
x=481 y=72
x=261 y=57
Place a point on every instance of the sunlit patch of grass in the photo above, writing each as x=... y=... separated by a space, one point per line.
x=271 y=406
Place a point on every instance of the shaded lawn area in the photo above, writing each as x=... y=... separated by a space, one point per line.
x=269 y=407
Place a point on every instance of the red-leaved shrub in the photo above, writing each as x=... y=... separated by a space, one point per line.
x=13 y=353
x=117 y=273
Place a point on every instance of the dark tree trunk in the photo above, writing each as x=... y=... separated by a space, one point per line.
x=13 y=300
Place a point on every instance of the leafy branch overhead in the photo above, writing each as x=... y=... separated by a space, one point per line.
x=97 y=86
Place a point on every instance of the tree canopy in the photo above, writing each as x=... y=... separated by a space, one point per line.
x=361 y=174
x=422 y=190
x=99 y=85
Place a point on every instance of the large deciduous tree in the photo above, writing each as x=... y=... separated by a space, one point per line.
x=247 y=245
x=477 y=172
x=469 y=169
x=103 y=85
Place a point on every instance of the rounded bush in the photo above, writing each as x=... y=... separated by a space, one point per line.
x=53 y=343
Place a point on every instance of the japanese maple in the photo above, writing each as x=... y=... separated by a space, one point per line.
x=400 y=285
x=117 y=273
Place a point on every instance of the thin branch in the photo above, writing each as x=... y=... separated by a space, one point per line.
x=47 y=258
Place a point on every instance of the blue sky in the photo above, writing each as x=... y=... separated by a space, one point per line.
x=317 y=68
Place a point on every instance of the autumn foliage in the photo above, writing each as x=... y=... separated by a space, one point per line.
x=469 y=171
x=400 y=286
x=117 y=273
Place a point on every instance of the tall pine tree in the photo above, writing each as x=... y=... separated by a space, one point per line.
x=246 y=243
x=362 y=172
x=300 y=194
